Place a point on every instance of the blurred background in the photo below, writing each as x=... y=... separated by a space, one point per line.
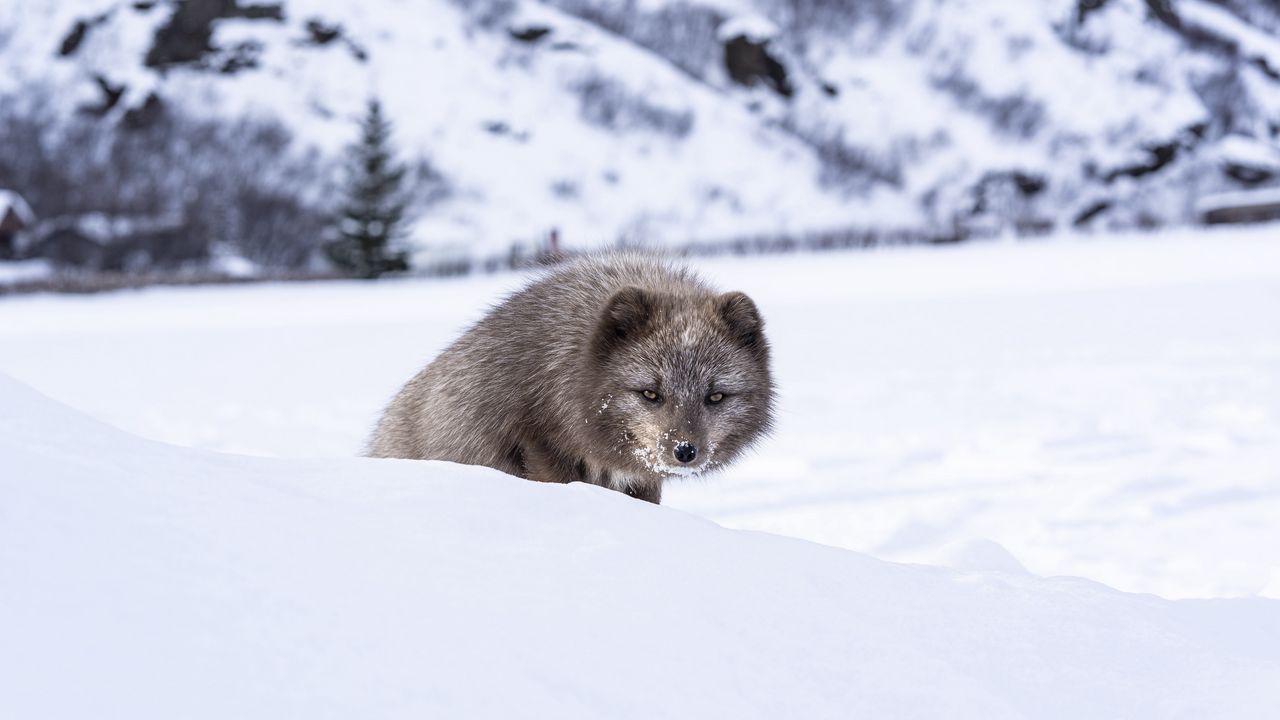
x=203 y=139
x=1019 y=261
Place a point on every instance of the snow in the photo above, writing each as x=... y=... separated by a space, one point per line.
x=444 y=82
x=1100 y=407
x=1249 y=152
x=18 y=271
x=12 y=202
x=1253 y=42
x=1239 y=198
x=921 y=108
x=756 y=28
x=144 y=580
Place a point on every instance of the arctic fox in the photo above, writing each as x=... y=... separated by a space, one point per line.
x=619 y=370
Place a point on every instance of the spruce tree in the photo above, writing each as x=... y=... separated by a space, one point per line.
x=374 y=208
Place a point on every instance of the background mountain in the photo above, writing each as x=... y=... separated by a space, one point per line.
x=654 y=121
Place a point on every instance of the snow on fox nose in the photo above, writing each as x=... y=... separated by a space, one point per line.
x=685 y=452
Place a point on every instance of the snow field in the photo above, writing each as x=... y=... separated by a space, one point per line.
x=1104 y=408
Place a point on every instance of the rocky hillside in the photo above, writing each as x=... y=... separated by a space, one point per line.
x=660 y=121
x=991 y=115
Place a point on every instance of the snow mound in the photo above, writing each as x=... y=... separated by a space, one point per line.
x=12 y=202
x=144 y=580
x=982 y=555
x=755 y=28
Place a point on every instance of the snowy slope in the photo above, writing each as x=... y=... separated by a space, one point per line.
x=991 y=115
x=512 y=126
x=621 y=122
x=143 y=580
x=1102 y=408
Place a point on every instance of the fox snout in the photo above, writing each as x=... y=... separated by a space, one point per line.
x=685 y=452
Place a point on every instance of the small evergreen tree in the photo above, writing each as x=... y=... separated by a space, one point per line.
x=375 y=206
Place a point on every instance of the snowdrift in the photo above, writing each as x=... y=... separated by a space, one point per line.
x=143 y=580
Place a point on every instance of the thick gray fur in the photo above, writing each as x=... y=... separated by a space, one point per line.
x=550 y=384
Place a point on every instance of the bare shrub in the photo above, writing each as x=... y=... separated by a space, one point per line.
x=1013 y=115
x=799 y=19
x=609 y=104
x=683 y=33
x=845 y=164
x=240 y=185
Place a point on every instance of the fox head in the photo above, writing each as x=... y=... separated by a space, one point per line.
x=680 y=383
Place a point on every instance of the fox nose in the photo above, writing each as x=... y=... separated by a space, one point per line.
x=685 y=452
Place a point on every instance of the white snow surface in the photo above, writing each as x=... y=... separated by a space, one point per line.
x=143 y=580
x=1239 y=198
x=17 y=271
x=755 y=28
x=1100 y=407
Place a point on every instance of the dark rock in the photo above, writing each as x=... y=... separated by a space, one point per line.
x=1163 y=11
x=501 y=129
x=241 y=57
x=997 y=183
x=111 y=95
x=1085 y=7
x=1265 y=67
x=1087 y=215
x=1028 y=185
x=187 y=37
x=749 y=62
x=1159 y=156
x=146 y=115
x=531 y=34
x=321 y=33
x=74 y=39
x=259 y=11
x=1247 y=174
x=1250 y=206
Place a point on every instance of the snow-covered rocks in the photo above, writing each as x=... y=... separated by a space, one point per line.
x=665 y=122
x=1240 y=206
x=756 y=28
x=585 y=133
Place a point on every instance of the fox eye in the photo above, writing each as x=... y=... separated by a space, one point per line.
x=714 y=398
x=650 y=395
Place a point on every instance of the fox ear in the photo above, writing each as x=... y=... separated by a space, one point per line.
x=626 y=315
x=742 y=318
